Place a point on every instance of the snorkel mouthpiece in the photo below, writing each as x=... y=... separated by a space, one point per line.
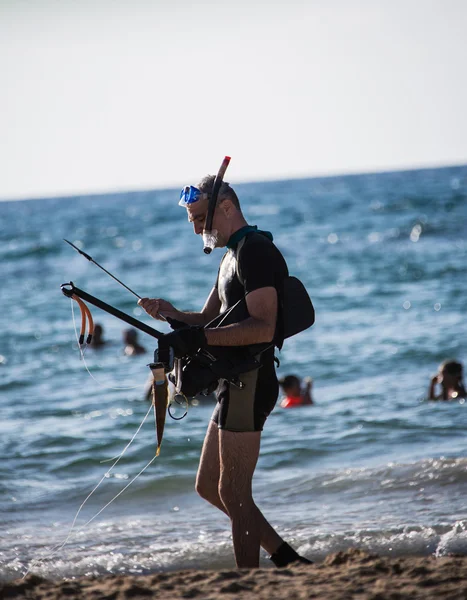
x=209 y=241
x=210 y=235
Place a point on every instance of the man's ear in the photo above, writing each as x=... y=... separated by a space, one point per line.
x=227 y=207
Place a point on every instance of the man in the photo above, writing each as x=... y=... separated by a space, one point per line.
x=231 y=447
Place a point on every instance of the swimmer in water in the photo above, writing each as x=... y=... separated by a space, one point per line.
x=132 y=346
x=449 y=378
x=295 y=394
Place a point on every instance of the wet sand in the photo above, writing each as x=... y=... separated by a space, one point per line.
x=352 y=574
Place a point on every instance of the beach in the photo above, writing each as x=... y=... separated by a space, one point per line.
x=349 y=574
x=338 y=135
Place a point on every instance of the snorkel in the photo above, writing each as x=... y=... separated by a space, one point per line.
x=210 y=235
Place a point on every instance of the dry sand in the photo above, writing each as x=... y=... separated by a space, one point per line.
x=346 y=575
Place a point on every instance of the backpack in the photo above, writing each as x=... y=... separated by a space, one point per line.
x=296 y=310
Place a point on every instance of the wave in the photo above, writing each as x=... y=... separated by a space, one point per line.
x=429 y=473
x=403 y=541
x=124 y=550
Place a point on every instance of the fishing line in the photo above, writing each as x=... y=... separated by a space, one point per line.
x=120 y=492
x=102 y=385
x=105 y=476
x=134 y=478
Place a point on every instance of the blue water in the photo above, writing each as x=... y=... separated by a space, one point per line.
x=372 y=465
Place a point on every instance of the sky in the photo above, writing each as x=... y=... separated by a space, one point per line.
x=114 y=95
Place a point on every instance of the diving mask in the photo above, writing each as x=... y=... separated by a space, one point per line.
x=190 y=194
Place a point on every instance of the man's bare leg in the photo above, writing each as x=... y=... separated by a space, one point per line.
x=207 y=485
x=239 y=453
x=207 y=477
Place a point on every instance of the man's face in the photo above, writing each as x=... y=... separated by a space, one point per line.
x=197 y=213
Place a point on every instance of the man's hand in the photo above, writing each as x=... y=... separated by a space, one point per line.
x=187 y=340
x=159 y=308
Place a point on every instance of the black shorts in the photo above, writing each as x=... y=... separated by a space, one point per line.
x=247 y=409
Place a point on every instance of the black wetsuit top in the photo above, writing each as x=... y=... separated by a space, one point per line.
x=260 y=265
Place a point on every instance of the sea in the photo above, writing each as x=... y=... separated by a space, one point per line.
x=372 y=464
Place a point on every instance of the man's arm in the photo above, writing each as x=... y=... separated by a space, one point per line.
x=307 y=399
x=157 y=307
x=432 y=390
x=258 y=328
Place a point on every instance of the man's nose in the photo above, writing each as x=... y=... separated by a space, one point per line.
x=198 y=228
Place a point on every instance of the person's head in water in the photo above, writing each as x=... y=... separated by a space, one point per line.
x=130 y=336
x=450 y=373
x=228 y=216
x=449 y=377
x=97 y=335
x=291 y=385
x=130 y=339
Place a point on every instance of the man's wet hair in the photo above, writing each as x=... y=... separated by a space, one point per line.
x=225 y=193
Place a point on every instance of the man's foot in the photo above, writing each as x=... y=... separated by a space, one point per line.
x=285 y=555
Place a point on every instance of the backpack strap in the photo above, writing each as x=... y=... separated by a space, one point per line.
x=237 y=258
x=279 y=337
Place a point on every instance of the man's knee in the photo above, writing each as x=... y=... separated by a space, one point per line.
x=201 y=488
x=206 y=488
